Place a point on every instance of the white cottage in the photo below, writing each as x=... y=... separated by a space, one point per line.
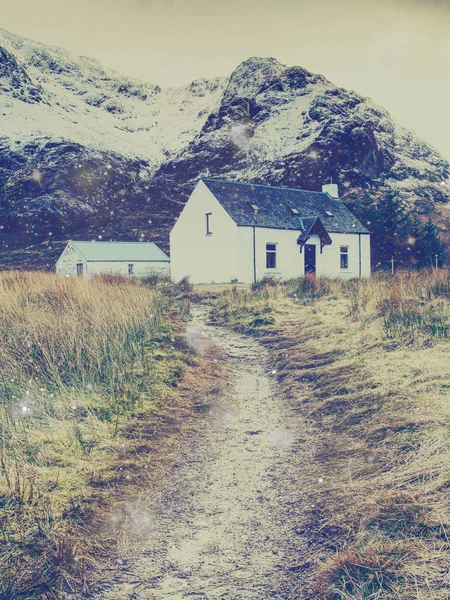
x=230 y=231
x=124 y=258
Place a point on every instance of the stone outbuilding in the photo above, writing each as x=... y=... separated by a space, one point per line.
x=124 y=258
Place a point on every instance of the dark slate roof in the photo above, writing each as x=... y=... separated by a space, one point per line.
x=275 y=204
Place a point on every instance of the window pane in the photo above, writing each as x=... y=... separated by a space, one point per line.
x=344 y=249
x=271 y=260
x=271 y=256
x=208 y=223
x=344 y=261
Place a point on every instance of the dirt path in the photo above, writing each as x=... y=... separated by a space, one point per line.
x=222 y=527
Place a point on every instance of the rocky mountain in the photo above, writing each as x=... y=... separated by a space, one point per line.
x=86 y=152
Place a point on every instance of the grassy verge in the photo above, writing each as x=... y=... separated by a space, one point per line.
x=88 y=378
x=365 y=363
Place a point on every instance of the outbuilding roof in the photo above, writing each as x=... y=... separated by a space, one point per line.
x=120 y=251
x=255 y=205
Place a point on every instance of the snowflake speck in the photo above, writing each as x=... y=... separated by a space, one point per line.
x=36 y=176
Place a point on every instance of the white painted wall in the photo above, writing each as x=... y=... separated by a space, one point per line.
x=245 y=254
x=204 y=258
x=328 y=263
x=365 y=255
x=141 y=268
x=289 y=259
x=290 y=263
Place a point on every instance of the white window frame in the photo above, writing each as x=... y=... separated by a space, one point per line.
x=344 y=254
x=270 y=252
x=208 y=223
x=130 y=268
x=80 y=268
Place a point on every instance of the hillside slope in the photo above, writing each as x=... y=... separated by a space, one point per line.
x=87 y=152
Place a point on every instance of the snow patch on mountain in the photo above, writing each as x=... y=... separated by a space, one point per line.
x=288 y=130
x=83 y=102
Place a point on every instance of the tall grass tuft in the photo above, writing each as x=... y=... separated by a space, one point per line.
x=360 y=574
x=414 y=306
x=78 y=359
x=73 y=332
x=248 y=308
x=310 y=287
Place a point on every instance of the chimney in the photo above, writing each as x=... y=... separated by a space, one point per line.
x=331 y=189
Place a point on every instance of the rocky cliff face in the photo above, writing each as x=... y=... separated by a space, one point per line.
x=88 y=153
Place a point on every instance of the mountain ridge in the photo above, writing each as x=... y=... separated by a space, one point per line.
x=88 y=152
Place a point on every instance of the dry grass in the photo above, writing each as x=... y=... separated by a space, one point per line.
x=82 y=365
x=365 y=365
x=87 y=370
x=242 y=307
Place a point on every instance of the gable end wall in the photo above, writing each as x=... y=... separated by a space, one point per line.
x=201 y=257
x=66 y=265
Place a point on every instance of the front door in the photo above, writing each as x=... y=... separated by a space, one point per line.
x=310 y=258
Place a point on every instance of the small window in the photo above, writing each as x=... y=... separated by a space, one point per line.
x=79 y=268
x=328 y=213
x=271 y=256
x=208 y=223
x=130 y=269
x=295 y=211
x=344 y=257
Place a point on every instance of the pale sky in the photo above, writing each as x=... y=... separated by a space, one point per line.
x=395 y=51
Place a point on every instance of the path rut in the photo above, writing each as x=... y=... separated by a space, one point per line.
x=223 y=524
